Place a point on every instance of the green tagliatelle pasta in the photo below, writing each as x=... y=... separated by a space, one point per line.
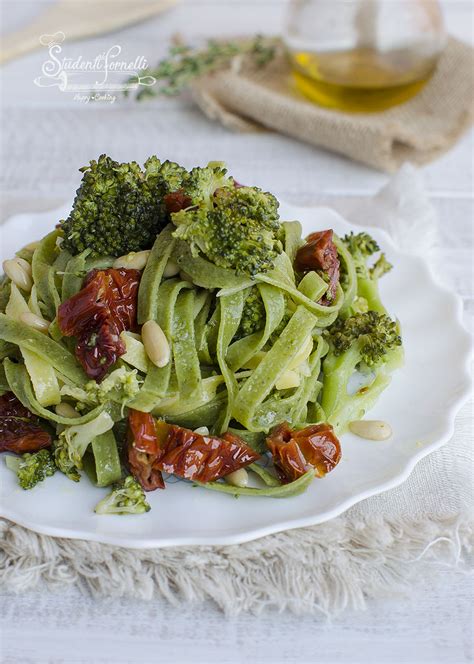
x=51 y=351
x=253 y=338
x=276 y=491
x=153 y=274
x=243 y=350
x=44 y=274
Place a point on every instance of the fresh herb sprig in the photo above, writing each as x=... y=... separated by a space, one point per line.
x=185 y=64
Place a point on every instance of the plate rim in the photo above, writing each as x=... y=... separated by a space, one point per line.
x=447 y=425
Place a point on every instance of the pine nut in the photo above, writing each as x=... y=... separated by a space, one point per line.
x=204 y=431
x=171 y=269
x=18 y=275
x=25 y=265
x=156 y=344
x=135 y=260
x=34 y=321
x=238 y=478
x=64 y=409
x=371 y=429
x=287 y=380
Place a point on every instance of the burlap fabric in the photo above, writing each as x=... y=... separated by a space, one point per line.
x=419 y=130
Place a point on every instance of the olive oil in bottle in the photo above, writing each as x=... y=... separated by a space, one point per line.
x=363 y=55
x=362 y=79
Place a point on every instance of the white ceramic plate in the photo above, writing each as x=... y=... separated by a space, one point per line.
x=420 y=404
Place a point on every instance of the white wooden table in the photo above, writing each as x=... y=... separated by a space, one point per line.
x=46 y=136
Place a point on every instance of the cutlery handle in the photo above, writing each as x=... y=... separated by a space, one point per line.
x=78 y=19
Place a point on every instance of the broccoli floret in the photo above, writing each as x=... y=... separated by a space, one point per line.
x=380 y=267
x=202 y=183
x=120 y=386
x=374 y=333
x=74 y=440
x=163 y=177
x=253 y=314
x=367 y=342
x=63 y=461
x=361 y=246
x=119 y=208
x=127 y=497
x=32 y=468
x=240 y=231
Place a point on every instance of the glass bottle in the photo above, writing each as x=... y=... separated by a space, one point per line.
x=363 y=55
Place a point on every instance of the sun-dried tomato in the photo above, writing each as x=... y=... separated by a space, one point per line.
x=20 y=430
x=97 y=314
x=288 y=460
x=86 y=310
x=156 y=446
x=176 y=201
x=144 y=470
x=100 y=349
x=19 y=436
x=295 y=451
x=120 y=294
x=320 y=253
x=320 y=447
x=11 y=406
x=205 y=458
x=144 y=450
x=143 y=432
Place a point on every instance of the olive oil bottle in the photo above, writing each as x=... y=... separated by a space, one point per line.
x=363 y=55
x=361 y=79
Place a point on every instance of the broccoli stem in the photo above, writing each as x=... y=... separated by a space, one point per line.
x=354 y=406
x=369 y=289
x=337 y=371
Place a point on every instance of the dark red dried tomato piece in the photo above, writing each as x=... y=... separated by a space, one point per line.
x=181 y=452
x=20 y=430
x=97 y=351
x=119 y=290
x=11 y=406
x=19 y=436
x=176 y=201
x=97 y=314
x=288 y=460
x=144 y=450
x=143 y=432
x=203 y=458
x=320 y=447
x=144 y=470
x=320 y=253
x=294 y=452
x=86 y=310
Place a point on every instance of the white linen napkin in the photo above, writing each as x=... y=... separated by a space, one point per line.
x=381 y=545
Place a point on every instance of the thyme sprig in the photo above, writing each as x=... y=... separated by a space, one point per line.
x=184 y=65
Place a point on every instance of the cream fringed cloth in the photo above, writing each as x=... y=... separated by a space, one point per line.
x=417 y=131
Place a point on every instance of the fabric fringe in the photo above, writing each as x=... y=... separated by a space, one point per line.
x=324 y=569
